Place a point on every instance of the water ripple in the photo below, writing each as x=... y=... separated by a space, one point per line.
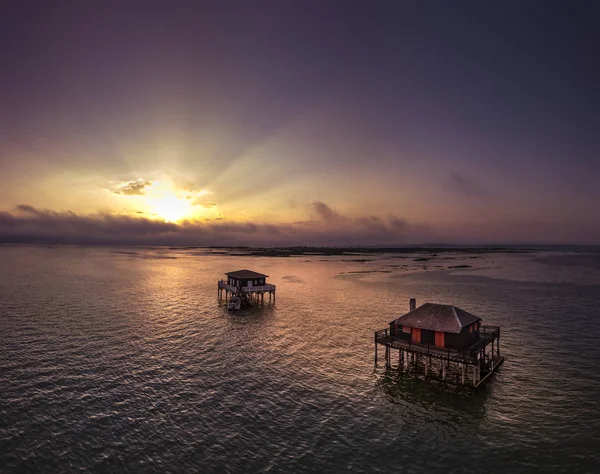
x=121 y=361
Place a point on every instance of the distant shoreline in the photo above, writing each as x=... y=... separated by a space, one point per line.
x=292 y=251
x=340 y=251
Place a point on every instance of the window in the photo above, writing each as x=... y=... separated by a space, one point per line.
x=406 y=329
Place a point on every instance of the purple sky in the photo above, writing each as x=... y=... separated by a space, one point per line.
x=299 y=122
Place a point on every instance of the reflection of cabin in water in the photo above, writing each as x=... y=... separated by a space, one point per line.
x=246 y=284
x=443 y=338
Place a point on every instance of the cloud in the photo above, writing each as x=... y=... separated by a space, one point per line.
x=378 y=228
x=32 y=225
x=206 y=204
x=27 y=209
x=132 y=188
x=466 y=186
x=189 y=187
x=325 y=212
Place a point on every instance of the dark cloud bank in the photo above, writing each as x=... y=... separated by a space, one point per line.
x=27 y=224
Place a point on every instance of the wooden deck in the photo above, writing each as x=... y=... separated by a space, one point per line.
x=426 y=349
x=486 y=372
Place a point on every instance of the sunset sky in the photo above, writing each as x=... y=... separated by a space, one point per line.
x=299 y=122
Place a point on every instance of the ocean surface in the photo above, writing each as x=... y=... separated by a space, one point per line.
x=122 y=360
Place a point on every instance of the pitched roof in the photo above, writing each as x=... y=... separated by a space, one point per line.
x=437 y=317
x=246 y=274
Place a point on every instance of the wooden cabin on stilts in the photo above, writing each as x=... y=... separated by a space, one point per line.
x=443 y=342
x=247 y=285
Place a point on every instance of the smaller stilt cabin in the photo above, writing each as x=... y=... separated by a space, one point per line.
x=444 y=340
x=246 y=284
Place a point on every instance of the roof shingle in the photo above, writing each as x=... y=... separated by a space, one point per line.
x=438 y=317
x=245 y=274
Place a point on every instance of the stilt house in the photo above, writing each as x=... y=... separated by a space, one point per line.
x=443 y=341
x=246 y=284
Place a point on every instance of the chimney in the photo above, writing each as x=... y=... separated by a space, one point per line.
x=412 y=305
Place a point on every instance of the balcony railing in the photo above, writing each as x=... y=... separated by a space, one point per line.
x=487 y=335
x=258 y=288
x=246 y=289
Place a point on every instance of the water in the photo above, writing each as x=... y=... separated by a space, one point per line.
x=121 y=360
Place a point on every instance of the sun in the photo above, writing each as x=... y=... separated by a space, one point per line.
x=163 y=199
x=171 y=208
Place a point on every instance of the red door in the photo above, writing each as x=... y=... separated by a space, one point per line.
x=439 y=339
x=416 y=335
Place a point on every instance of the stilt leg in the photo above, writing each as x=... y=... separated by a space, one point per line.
x=375 y=342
